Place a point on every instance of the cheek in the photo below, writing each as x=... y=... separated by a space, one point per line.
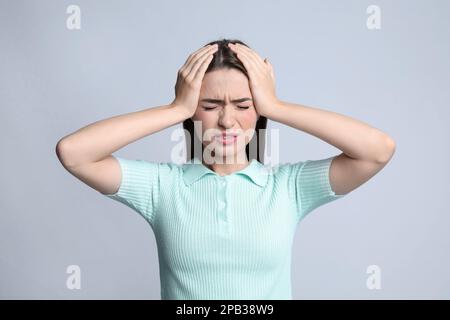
x=201 y=116
x=247 y=122
x=206 y=121
x=248 y=119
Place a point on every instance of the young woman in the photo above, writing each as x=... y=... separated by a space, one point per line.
x=224 y=229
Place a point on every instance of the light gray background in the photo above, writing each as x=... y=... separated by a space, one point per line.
x=54 y=81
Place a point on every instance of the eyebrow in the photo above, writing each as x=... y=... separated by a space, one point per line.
x=222 y=102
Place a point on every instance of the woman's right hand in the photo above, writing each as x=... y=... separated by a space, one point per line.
x=190 y=77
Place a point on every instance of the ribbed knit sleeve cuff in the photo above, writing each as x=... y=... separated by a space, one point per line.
x=139 y=186
x=313 y=185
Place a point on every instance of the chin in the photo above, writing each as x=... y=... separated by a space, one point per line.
x=219 y=151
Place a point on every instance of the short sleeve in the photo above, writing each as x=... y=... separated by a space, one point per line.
x=139 y=186
x=312 y=186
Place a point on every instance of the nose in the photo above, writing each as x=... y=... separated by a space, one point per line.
x=226 y=117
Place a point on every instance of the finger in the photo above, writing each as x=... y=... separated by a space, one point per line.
x=195 y=56
x=199 y=51
x=270 y=67
x=250 y=51
x=248 y=61
x=189 y=58
x=202 y=69
x=191 y=69
x=188 y=64
x=198 y=64
x=252 y=59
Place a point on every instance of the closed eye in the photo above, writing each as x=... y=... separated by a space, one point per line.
x=212 y=108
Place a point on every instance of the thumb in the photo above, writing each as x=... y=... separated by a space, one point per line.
x=266 y=60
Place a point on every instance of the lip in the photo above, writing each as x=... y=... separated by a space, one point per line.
x=226 y=138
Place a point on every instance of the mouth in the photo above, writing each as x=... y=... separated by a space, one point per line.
x=226 y=138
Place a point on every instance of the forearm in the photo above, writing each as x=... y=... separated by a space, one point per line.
x=98 y=140
x=355 y=138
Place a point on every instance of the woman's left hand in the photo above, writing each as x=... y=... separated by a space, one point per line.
x=262 y=78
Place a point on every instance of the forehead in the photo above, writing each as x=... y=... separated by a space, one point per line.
x=225 y=83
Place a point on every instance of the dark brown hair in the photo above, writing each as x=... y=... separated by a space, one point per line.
x=225 y=58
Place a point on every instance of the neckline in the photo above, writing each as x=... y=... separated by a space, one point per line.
x=251 y=163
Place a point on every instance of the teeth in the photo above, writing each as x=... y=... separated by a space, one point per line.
x=225 y=138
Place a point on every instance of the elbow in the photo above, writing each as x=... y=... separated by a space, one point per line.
x=61 y=153
x=388 y=150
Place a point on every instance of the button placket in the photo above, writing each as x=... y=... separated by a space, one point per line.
x=222 y=205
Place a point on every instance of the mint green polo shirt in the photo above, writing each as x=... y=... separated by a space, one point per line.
x=224 y=237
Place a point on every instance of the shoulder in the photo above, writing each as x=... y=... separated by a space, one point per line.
x=168 y=169
x=136 y=167
x=285 y=170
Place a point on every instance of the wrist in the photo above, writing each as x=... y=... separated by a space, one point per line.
x=183 y=112
x=271 y=113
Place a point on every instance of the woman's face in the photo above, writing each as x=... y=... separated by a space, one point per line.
x=219 y=114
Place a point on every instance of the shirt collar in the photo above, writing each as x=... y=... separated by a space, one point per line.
x=195 y=169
